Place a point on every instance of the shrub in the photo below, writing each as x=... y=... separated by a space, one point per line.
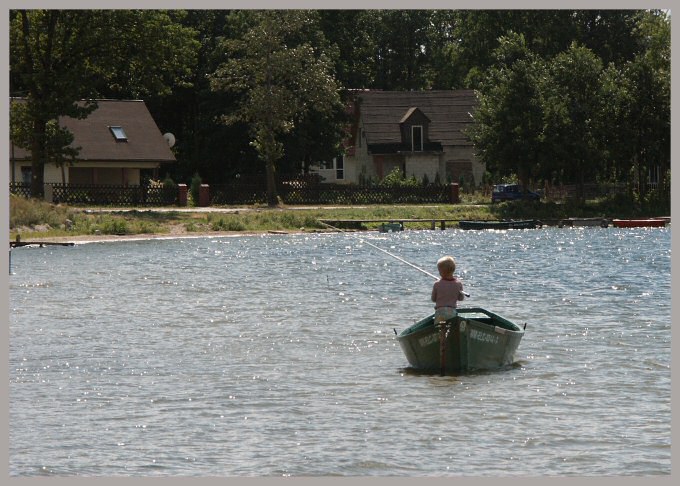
x=229 y=224
x=170 y=193
x=31 y=212
x=195 y=187
x=117 y=226
x=397 y=179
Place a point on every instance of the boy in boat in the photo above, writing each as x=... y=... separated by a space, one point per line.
x=447 y=291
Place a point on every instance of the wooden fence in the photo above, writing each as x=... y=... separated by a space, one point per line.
x=302 y=192
x=292 y=191
x=590 y=191
x=103 y=195
x=20 y=189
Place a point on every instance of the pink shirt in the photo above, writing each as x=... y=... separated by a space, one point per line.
x=447 y=292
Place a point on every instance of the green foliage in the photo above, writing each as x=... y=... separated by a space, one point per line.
x=32 y=212
x=32 y=217
x=60 y=57
x=563 y=118
x=58 y=140
x=113 y=226
x=229 y=223
x=29 y=216
x=538 y=110
x=195 y=187
x=170 y=189
x=279 y=68
x=396 y=179
x=570 y=105
x=510 y=117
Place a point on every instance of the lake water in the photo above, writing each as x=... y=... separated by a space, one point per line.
x=275 y=355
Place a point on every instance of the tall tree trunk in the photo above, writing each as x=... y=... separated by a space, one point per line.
x=642 y=180
x=272 y=195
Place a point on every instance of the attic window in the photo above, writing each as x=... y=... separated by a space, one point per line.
x=417 y=138
x=118 y=134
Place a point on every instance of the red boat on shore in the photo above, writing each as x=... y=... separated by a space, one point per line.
x=638 y=223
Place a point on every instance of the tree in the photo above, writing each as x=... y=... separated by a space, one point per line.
x=478 y=33
x=401 y=36
x=282 y=76
x=509 y=119
x=58 y=140
x=351 y=38
x=570 y=105
x=60 y=57
x=635 y=120
x=649 y=74
x=204 y=144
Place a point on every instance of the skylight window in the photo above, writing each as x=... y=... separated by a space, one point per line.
x=118 y=134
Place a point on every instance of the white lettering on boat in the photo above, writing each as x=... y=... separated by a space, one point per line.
x=483 y=337
x=429 y=339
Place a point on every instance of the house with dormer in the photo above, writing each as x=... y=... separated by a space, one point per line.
x=422 y=133
x=119 y=143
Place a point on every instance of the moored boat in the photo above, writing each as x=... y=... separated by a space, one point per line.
x=574 y=222
x=476 y=339
x=391 y=227
x=510 y=224
x=639 y=223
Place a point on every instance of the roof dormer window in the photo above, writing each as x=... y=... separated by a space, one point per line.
x=413 y=126
x=417 y=138
x=118 y=133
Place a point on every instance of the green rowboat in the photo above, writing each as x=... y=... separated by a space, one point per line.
x=475 y=339
x=500 y=225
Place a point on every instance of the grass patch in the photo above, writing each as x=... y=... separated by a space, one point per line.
x=33 y=212
x=33 y=218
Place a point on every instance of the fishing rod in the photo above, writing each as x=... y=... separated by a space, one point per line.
x=390 y=254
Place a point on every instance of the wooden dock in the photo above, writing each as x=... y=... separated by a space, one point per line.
x=15 y=244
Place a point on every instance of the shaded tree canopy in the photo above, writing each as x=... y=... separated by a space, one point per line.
x=279 y=67
x=554 y=86
x=60 y=57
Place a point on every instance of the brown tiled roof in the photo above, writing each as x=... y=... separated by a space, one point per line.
x=145 y=141
x=448 y=110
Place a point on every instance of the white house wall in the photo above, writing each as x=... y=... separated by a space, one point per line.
x=416 y=164
x=327 y=175
x=109 y=175
x=467 y=153
x=419 y=165
x=15 y=171
x=361 y=162
x=104 y=175
x=52 y=174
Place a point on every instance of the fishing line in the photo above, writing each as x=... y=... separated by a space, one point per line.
x=384 y=251
x=388 y=253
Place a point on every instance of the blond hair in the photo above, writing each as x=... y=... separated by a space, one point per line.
x=446 y=264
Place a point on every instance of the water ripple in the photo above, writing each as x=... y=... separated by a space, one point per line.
x=275 y=356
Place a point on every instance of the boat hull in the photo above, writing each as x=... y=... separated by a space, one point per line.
x=638 y=223
x=477 y=340
x=574 y=222
x=481 y=225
